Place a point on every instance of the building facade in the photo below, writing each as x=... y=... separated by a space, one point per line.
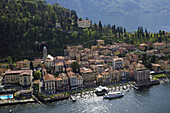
x=84 y=23
x=117 y=63
x=21 y=77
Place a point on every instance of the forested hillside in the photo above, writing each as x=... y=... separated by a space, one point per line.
x=28 y=25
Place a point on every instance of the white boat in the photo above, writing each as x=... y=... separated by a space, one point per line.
x=124 y=87
x=113 y=95
x=135 y=87
x=101 y=90
x=72 y=98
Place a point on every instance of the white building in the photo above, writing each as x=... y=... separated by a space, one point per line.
x=72 y=79
x=84 y=23
x=117 y=63
x=79 y=80
x=59 y=67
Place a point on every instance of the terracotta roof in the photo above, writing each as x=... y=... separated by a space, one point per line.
x=37 y=60
x=18 y=72
x=36 y=81
x=115 y=59
x=58 y=78
x=59 y=64
x=60 y=57
x=78 y=77
x=84 y=21
x=23 y=62
x=143 y=44
x=2 y=70
x=49 y=77
x=105 y=73
x=158 y=43
x=85 y=70
x=100 y=76
x=49 y=60
x=63 y=76
x=68 y=69
x=156 y=65
x=100 y=40
x=70 y=73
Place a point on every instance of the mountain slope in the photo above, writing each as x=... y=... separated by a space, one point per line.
x=110 y=7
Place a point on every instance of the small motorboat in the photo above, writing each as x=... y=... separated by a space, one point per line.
x=124 y=87
x=72 y=99
x=135 y=87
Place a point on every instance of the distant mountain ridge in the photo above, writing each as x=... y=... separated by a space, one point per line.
x=114 y=7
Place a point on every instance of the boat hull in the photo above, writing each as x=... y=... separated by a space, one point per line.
x=113 y=96
x=100 y=93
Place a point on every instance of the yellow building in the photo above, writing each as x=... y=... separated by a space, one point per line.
x=23 y=65
x=94 y=48
x=22 y=77
x=25 y=78
x=165 y=65
x=106 y=77
x=88 y=76
x=84 y=23
x=36 y=62
x=99 y=79
x=117 y=52
x=100 y=42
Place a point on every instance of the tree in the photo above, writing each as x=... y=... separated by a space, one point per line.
x=153 y=59
x=124 y=30
x=75 y=67
x=80 y=19
x=145 y=48
x=100 y=25
x=37 y=75
x=31 y=65
x=9 y=60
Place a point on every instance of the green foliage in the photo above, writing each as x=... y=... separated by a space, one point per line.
x=37 y=75
x=160 y=76
x=75 y=67
x=23 y=98
x=9 y=60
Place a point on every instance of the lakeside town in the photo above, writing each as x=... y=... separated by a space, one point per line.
x=81 y=69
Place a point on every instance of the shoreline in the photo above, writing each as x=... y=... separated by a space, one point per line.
x=54 y=99
x=17 y=102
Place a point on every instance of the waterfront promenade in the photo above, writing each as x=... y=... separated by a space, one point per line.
x=12 y=102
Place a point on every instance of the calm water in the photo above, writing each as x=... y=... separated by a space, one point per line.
x=151 y=100
x=153 y=22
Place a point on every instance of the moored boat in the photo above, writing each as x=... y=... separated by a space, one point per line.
x=100 y=91
x=72 y=98
x=135 y=87
x=113 y=95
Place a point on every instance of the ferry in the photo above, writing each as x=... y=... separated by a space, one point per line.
x=113 y=95
x=100 y=91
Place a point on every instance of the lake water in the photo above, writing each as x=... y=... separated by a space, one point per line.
x=153 y=22
x=155 y=99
